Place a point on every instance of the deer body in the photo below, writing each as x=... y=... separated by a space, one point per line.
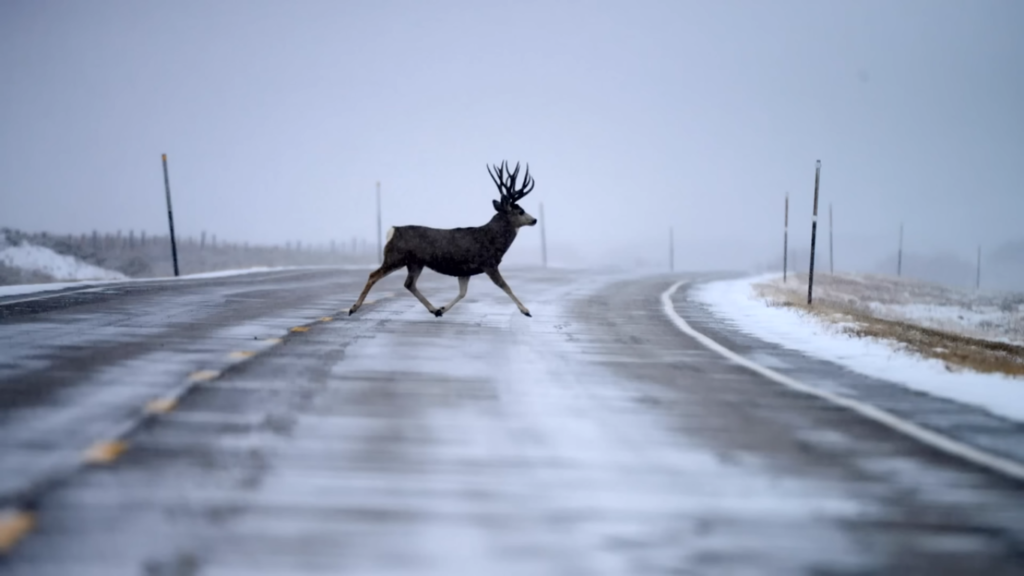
x=459 y=252
x=453 y=252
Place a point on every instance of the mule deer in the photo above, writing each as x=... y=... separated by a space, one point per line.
x=459 y=252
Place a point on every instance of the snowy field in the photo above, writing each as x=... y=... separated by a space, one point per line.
x=743 y=305
x=70 y=272
x=35 y=258
x=30 y=258
x=996 y=316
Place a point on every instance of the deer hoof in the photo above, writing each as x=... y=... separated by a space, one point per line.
x=351 y=311
x=526 y=313
x=439 y=312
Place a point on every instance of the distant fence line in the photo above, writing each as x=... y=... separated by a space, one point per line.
x=122 y=241
x=140 y=254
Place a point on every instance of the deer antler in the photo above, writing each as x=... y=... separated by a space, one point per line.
x=527 y=184
x=500 y=180
x=507 y=187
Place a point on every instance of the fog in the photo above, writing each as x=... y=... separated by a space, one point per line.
x=278 y=118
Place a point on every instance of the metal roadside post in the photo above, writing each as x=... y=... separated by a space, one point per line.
x=785 y=242
x=899 y=254
x=977 y=277
x=671 y=250
x=814 y=232
x=170 y=216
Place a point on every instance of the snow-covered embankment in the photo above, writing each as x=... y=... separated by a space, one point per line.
x=741 y=305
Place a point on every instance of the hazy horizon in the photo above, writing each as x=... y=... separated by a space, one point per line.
x=279 y=118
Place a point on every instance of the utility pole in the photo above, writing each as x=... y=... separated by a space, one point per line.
x=785 y=242
x=380 y=246
x=671 y=251
x=170 y=216
x=543 y=239
x=814 y=232
x=899 y=254
x=831 y=264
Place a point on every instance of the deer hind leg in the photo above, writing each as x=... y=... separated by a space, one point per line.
x=375 y=276
x=410 y=284
x=495 y=276
x=463 y=285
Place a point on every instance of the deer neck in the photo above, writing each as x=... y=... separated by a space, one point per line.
x=503 y=232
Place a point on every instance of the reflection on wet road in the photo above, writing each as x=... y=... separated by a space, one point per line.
x=247 y=426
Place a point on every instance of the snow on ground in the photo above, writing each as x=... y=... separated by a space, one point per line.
x=737 y=303
x=70 y=272
x=996 y=316
x=978 y=320
x=58 y=266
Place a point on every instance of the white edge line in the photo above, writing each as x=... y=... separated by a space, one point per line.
x=98 y=285
x=54 y=294
x=928 y=437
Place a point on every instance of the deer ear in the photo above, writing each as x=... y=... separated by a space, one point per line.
x=497 y=206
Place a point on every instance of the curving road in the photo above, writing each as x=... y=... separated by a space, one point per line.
x=246 y=425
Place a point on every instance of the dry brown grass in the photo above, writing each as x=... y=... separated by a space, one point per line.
x=957 y=351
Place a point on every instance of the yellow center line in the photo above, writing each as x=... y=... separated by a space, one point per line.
x=14 y=525
x=327 y=319
x=160 y=406
x=241 y=354
x=300 y=329
x=203 y=375
x=105 y=452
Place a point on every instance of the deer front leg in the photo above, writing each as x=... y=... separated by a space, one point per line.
x=375 y=276
x=463 y=285
x=495 y=276
x=410 y=284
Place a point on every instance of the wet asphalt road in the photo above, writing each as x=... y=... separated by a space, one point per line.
x=593 y=438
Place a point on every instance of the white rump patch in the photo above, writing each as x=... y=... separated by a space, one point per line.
x=391 y=232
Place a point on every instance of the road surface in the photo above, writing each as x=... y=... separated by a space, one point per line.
x=246 y=425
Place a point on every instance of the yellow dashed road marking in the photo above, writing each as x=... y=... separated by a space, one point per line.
x=241 y=354
x=300 y=329
x=203 y=375
x=14 y=525
x=327 y=319
x=160 y=406
x=105 y=452
x=274 y=340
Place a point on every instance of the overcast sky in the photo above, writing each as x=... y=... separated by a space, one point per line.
x=279 y=117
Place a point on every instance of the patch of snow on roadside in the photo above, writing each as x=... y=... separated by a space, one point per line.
x=58 y=266
x=736 y=302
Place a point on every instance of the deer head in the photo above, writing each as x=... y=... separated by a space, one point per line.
x=510 y=196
